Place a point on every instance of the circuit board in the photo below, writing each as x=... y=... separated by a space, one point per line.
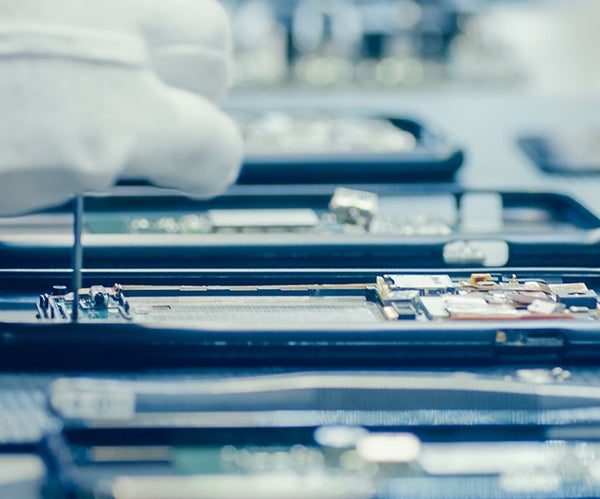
x=353 y=212
x=392 y=297
x=330 y=435
x=353 y=463
x=348 y=212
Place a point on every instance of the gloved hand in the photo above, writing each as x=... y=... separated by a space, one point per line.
x=91 y=90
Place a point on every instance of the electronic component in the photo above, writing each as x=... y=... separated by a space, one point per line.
x=585 y=298
x=392 y=297
x=354 y=207
x=404 y=310
x=425 y=284
x=264 y=219
x=98 y=297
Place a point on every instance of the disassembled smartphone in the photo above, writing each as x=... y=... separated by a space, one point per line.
x=301 y=148
x=327 y=435
x=392 y=297
x=303 y=317
x=320 y=226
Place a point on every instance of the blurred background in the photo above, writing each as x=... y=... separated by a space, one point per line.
x=484 y=73
x=546 y=46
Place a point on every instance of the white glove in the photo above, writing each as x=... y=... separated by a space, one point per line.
x=93 y=90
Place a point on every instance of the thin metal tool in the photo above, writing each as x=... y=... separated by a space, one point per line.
x=77 y=254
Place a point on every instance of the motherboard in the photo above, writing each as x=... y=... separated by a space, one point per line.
x=392 y=297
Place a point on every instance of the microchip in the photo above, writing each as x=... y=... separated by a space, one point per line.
x=425 y=284
x=434 y=307
x=239 y=219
